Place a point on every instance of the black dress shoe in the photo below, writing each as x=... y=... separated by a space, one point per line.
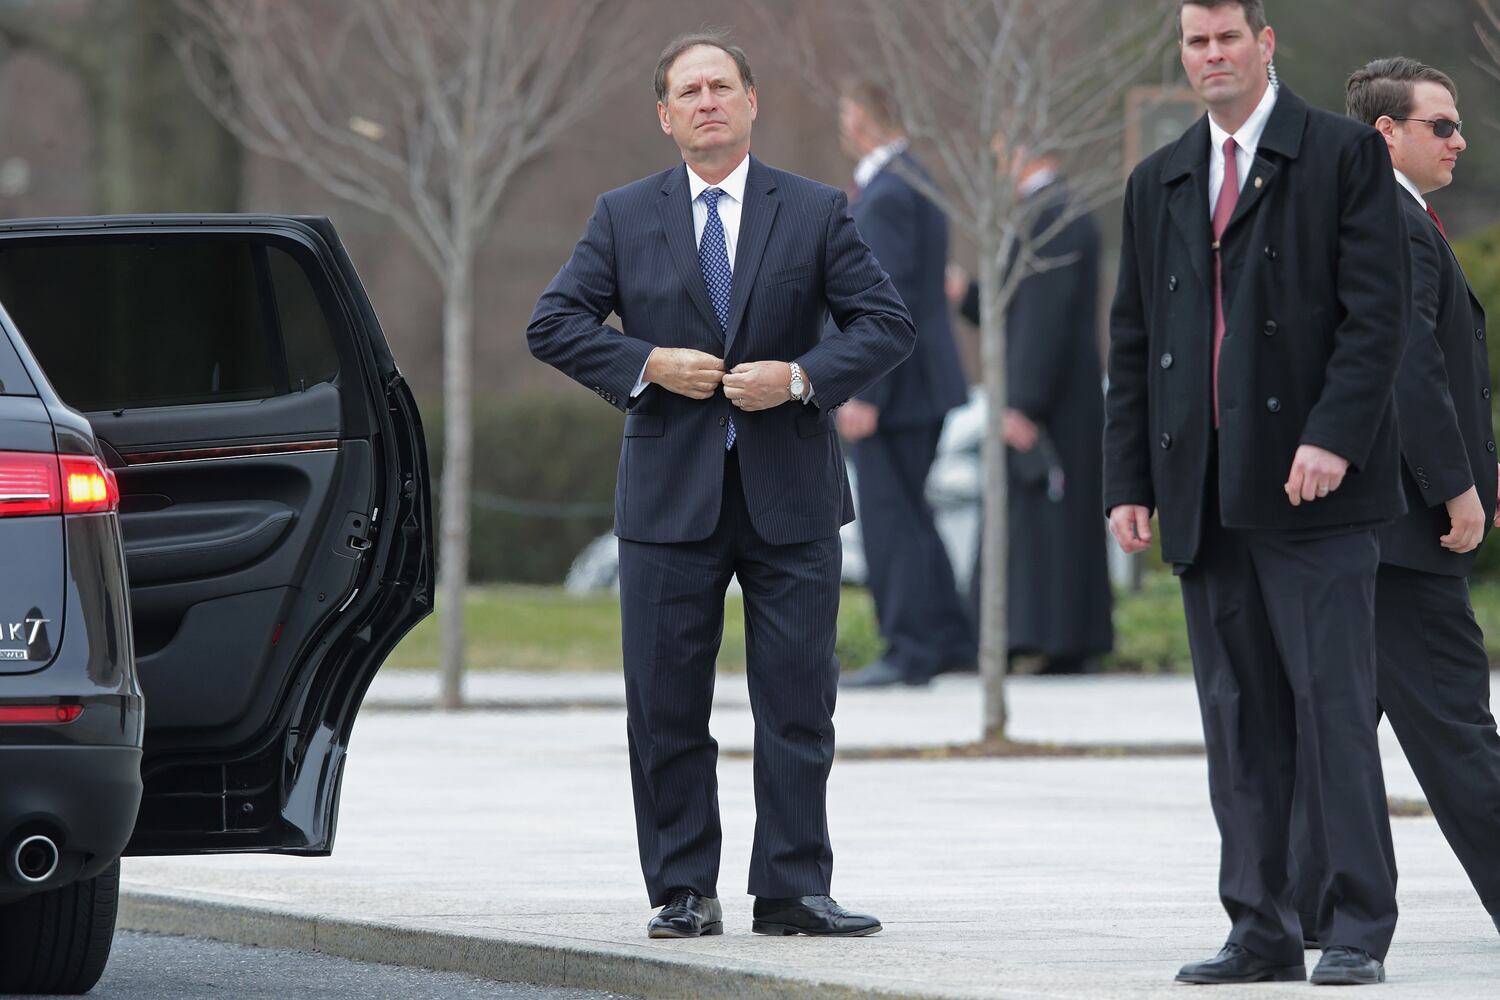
x=687 y=915
x=1342 y=966
x=1236 y=965
x=882 y=673
x=815 y=915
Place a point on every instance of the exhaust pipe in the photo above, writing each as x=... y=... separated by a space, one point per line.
x=34 y=859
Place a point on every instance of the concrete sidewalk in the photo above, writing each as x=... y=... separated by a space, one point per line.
x=502 y=843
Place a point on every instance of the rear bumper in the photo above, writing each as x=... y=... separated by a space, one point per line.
x=85 y=798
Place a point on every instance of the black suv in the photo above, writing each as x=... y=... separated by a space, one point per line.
x=214 y=526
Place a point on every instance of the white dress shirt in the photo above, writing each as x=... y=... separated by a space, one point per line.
x=1246 y=140
x=875 y=160
x=1405 y=182
x=731 y=205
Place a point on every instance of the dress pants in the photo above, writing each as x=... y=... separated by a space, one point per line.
x=922 y=619
x=672 y=617
x=1281 y=628
x=1434 y=685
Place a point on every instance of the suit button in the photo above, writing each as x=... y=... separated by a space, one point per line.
x=1166 y=360
x=1490 y=447
x=1479 y=334
x=1172 y=283
x=1270 y=253
x=722 y=421
x=1485 y=393
x=1273 y=404
x=1270 y=328
x=1166 y=442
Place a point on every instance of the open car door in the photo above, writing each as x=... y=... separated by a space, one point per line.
x=274 y=499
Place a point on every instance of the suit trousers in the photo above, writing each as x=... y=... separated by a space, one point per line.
x=1281 y=628
x=672 y=618
x=922 y=620
x=1434 y=686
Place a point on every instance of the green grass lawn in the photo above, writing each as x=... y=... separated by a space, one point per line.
x=544 y=628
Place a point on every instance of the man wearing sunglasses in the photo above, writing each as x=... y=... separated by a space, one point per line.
x=1433 y=678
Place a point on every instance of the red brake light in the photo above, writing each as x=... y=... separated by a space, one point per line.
x=88 y=487
x=38 y=483
x=42 y=714
x=28 y=484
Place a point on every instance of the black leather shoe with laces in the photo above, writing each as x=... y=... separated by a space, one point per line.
x=687 y=915
x=815 y=915
x=1341 y=966
x=1234 y=964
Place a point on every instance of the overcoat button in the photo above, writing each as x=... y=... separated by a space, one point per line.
x=1270 y=328
x=1273 y=404
x=1166 y=360
x=1270 y=253
x=1490 y=447
x=1485 y=393
x=1479 y=334
x=1172 y=283
x=1166 y=442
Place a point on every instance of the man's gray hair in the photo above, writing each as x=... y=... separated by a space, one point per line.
x=716 y=37
x=1384 y=87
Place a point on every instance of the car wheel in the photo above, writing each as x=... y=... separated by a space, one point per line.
x=58 y=941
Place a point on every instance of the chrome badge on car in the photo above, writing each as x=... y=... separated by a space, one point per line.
x=28 y=630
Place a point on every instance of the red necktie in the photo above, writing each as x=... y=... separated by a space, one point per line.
x=1438 y=222
x=1229 y=196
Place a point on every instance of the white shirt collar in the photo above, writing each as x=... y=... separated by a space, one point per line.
x=733 y=185
x=1405 y=182
x=1248 y=136
x=875 y=160
x=1037 y=181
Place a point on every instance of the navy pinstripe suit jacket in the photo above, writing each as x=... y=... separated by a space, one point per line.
x=798 y=259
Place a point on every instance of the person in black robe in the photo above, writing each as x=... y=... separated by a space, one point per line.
x=1059 y=595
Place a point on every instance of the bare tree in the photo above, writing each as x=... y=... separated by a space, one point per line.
x=984 y=87
x=143 y=113
x=423 y=111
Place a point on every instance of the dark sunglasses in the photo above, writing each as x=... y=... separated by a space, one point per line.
x=1441 y=127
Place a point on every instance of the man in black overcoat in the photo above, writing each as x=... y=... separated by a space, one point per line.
x=893 y=426
x=1059 y=599
x=1255 y=336
x=1433 y=676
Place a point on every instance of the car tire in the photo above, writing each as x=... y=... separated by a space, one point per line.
x=58 y=942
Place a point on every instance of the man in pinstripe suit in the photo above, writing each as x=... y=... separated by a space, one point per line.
x=722 y=272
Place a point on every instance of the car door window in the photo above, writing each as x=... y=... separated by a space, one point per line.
x=13 y=378
x=137 y=322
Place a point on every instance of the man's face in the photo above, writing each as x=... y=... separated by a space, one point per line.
x=856 y=130
x=1416 y=149
x=708 y=109
x=1225 y=62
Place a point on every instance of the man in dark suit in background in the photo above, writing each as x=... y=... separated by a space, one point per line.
x=725 y=263
x=1256 y=331
x=1059 y=600
x=893 y=427
x=1433 y=675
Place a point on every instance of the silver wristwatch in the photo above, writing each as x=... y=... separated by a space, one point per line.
x=798 y=387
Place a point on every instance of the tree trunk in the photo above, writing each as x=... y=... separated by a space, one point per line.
x=458 y=446
x=994 y=598
x=160 y=149
x=157 y=148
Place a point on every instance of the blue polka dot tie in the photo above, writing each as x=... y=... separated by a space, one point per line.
x=713 y=257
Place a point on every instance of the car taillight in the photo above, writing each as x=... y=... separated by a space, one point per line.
x=37 y=483
x=88 y=487
x=38 y=714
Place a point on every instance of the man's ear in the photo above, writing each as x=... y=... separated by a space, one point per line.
x=754 y=102
x=1268 y=44
x=661 y=114
x=1386 y=126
